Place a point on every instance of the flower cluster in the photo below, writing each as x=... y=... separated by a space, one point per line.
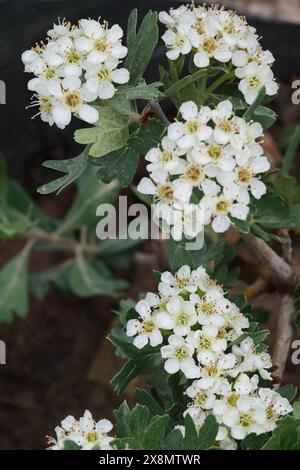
x=216 y=35
x=77 y=65
x=198 y=329
x=85 y=433
x=212 y=155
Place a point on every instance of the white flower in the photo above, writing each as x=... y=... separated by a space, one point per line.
x=179 y=357
x=207 y=344
x=86 y=433
x=245 y=177
x=179 y=315
x=186 y=219
x=218 y=208
x=208 y=308
x=100 y=78
x=253 y=77
x=210 y=47
x=248 y=416
x=276 y=406
x=75 y=66
x=165 y=159
x=195 y=129
x=146 y=328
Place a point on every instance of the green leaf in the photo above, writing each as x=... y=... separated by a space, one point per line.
x=265 y=116
x=208 y=433
x=249 y=114
x=190 y=79
x=287 y=187
x=271 y=213
x=254 y=441
x=122 y=164
x=131 y=37
x=14 y=286
x=141 y=44
x=109 y=133
x=146 y=399
x=190 y=440
x=182 y=257
x=73 y=168
x=145 y=364
x=291 y=150
x=296 y=410
x=83 y=210
x=141 y=91
x=174 y=440
x=87 y=279
x=285 y=436
x=287 y=391
x=71 y=445
x=122 y=415
x=155 y=434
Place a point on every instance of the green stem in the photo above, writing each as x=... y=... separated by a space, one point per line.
x=223 y=78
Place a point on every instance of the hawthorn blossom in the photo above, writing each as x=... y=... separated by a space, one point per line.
x=73 y=67
x=85 y=433
x=213 y=35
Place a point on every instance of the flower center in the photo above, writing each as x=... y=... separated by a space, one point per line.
x=101 y=45
x=165 y=192
x=148 y=326
x=181 y=353
x=73 y=100
x=245 y=420
x=232 y=399
x=199 y=26
x=104 y=74
x=244 y=175
x=222 y=207
x=270 y=413
x=215 y=152
x=226 y=126
x=192 y=127
x=182 y=318
x=194 y=173
x=45 y=105
x=204 y=343
x=208 y=308
x=73 y=57
x=49 y=73
x=230 y=27
x=254 y=82
x=200 y=399
x=179 y=40
x=209 y=45
x=165 y=156
x=211 y=370
x=92 y=436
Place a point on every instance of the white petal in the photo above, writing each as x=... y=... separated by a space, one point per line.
x=146 y=186
x=140 y=341
x=189 y=110
x=120 y=75
x=106 y=90
x=220 y=223
x=201 y=60
x=258 y=188
x=88 y=114
x=61 y=116
x=172 y=366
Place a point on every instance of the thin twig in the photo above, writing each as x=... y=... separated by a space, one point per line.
x=287 y=247
x=258 y=286
x=281 y=270
x=284 y=335
x=41 y=236
x=155 y=106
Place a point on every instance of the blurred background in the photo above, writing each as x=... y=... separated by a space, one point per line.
x=58 y=362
